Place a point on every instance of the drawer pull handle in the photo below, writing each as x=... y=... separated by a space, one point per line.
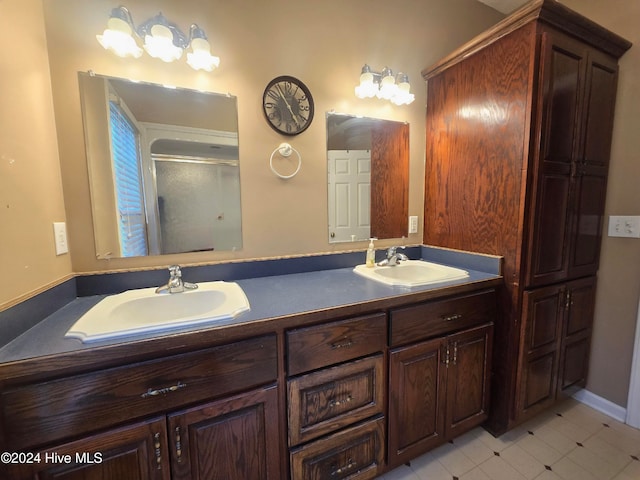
x=152 y=392
x=337 y=403
x=337 y=471
x=450 y=318
x=156 y=446
x=346 y=344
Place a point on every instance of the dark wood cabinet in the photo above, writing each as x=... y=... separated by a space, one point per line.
x=555 y=343
x=575 y=340
x=438 y=390
x=232 y=438
x=135 y=452
x=344 y=398
x=209 y=441
x=578 y=85
x=356 y=453
x=417 y=396
x=326 y=400
x=468 y=380
x=338 y=378
x=438 y=372
x=519 y=125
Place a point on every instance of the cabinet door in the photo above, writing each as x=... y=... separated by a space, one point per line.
x=540 y=348
x=134 y=452
x=234 y=438
x=593 y=163
x=562 y=67
x=576 y=335
x=468 y=379
x=417 y=391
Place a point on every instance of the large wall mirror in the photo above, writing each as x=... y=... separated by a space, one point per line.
x=163 y=168
x=368 y=185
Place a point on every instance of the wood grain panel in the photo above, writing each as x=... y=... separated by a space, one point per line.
x=417 y=393
x=231 y=438
x=426 y=320
x=389 y=192
x=356 y=453
x=476 y=143
x=326 y=400
x=331 y=343
x=47 y=411
x=468 y=380
x=135 y=452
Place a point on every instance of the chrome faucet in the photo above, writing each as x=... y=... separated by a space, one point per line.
x=393 y=257
x=175 y=283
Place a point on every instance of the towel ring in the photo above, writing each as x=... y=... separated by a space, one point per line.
x=285 y=150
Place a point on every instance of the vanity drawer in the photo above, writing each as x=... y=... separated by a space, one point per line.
x=322 y=345
x=329 y=399
x=47 y=411
x=425 y=320
x=356 y=453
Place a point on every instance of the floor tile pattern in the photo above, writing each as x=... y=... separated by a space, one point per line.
x=569 y=442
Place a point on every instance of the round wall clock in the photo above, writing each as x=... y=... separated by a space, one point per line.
x=287 y=105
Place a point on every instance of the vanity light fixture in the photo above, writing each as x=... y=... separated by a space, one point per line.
x=385 y=85
x=161 y=39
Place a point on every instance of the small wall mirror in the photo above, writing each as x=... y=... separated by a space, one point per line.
x=368 y=185
x=163 y=168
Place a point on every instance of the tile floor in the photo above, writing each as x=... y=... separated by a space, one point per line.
x=569 y=442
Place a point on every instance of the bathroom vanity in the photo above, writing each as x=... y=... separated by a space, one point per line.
x=321 y=384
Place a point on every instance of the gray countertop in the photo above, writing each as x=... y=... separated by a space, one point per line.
x=270 y=298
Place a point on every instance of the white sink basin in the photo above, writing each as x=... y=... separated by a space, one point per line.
x=144 y=311
x=412 y=273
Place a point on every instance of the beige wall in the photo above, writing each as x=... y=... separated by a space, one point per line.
x=30 y=188
x=324 y=44
x=619 y=275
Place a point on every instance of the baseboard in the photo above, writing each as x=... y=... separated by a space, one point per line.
x=601 y=404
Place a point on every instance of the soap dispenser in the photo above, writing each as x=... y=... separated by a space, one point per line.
x=371 y=254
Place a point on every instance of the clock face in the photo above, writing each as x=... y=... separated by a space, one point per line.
x=288 y=105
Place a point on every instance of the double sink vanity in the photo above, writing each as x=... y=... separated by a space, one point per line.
x=310 y=374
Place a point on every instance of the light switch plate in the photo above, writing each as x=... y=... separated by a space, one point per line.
x=624 y=226
x=60 y=236
x=413 y=224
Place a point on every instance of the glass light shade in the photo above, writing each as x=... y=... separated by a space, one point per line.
x=403 y=96
x=367 y=87
x=117 y=39
x=159 y=44
x=200 y=58
x=388 y=87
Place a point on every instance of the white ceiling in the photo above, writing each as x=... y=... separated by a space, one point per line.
x=504 y=6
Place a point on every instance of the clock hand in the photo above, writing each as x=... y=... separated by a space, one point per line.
x=293 y=115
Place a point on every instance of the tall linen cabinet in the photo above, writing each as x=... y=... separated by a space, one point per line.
x=519 y=125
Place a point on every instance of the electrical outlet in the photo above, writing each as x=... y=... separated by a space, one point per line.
x=624 y=226
x=60 y=236
x=413 y=224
